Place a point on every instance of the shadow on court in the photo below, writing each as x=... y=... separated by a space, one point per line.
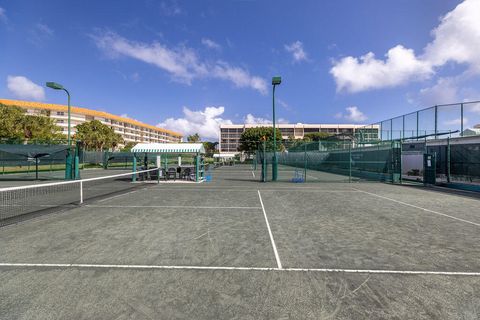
x=238 y=248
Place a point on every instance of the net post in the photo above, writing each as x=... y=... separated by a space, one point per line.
x=81 y=191
x=158 y=175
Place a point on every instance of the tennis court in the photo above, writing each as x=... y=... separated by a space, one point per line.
x=238 y=248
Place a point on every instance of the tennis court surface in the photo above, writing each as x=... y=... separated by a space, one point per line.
x=237 y=248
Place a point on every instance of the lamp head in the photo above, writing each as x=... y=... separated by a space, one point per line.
x=276 y=80
x=54 y=85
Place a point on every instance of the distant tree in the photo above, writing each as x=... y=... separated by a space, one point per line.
x=97 y=136
x=210 y=148
x=15 y=124
x=128 y=146
x=11 y=122
x=193 y=138
x=252 y=137
x=41 y=128
x=316 y=136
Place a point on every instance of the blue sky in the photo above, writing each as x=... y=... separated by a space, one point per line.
x=189 y=65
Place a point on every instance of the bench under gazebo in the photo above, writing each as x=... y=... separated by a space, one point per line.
x=169 y=169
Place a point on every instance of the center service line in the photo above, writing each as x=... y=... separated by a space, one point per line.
x=279 y=263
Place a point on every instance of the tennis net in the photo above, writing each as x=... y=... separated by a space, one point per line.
x=23 y=202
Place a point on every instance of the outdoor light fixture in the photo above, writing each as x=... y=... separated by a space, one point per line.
x=68 y=172
x=58 y=86
x=275 y=81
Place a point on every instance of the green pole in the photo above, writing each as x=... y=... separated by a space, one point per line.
x=349 y=162
x=197 y=162
x=305 y=162
x=448 y=159
x=461 y=119
x=401 y=151
x=68 y=95
x=68 y=165
x=77 y=170
x=274 y=163
x=264 y=164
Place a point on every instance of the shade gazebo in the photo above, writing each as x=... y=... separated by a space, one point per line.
x=165 y=149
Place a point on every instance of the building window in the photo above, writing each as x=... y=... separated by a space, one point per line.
x=60 y=113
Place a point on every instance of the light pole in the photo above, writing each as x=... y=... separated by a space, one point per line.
x=58 y=86
x=69 y=173
x=275 y=81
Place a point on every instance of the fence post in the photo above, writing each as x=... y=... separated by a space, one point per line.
x=401 y=152
x=264 y=164
x=350 y=162
x=448 y=160
x=417 y=125
x=305 y=163
x=436 y=121
x=461 y=119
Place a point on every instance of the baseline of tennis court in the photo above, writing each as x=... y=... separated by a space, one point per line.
x=238 y=248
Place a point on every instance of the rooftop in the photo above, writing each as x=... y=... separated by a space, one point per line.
x=85 y=111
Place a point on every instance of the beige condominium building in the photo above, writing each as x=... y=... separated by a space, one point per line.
x=131 y=130
x=230 y=133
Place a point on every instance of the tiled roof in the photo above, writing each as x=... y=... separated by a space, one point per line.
x=84 y=111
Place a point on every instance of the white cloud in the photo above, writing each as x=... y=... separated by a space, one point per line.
x=455 y=39
x=360 y=74
x=182 y=63
x=251 y=119
x=209 y=43
x=284 y=105
x=3 y=15
x=444 y=91
x=24 y=88
x=297 y=51
x=239 y=77
x=455 y=122
x=204 y=122
x=353 y=115
x=40 y=34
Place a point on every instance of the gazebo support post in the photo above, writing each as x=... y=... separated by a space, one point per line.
x=197 y=160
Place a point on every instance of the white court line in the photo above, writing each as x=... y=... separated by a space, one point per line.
x=417 y=207
x=279 y=263
x=226 y=268
x=253 y=174
x=181 y=207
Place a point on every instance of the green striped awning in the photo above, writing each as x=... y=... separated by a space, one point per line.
x=168 y=148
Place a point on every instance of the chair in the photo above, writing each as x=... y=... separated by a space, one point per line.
x=188 y=174
x=172 y=172
x=154 y=174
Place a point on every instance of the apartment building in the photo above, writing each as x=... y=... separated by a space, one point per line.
x=230 y=133
x=131 y=130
